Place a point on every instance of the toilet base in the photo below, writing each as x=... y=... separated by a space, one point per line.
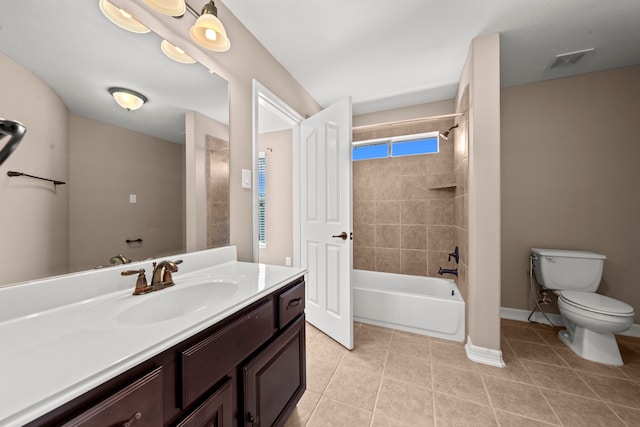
x=591 y=345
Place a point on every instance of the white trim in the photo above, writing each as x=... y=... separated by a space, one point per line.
x=488 y=356
x=262 y=95
x=522 y=315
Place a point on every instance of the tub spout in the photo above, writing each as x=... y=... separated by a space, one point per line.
x=442 y=271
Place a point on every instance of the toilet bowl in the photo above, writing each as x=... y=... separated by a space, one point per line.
x=591 y=319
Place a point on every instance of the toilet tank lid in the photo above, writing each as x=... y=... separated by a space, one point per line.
x=567 y=253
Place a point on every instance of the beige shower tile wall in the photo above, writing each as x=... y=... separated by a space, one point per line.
x=402 y=223
x=217 y=170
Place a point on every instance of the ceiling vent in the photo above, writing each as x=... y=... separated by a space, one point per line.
x=571 y=58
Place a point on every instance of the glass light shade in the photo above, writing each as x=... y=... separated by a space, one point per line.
x=176 y=53
x=121 y=18
x=199 y=33
x=168 y=7
x=127 y=98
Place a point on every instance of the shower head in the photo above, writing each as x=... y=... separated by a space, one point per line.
x=445 y=134
x=15 y=131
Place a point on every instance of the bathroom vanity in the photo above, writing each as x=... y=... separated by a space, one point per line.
x=187 y=356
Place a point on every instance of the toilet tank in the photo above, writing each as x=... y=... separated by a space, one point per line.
x=568 y=270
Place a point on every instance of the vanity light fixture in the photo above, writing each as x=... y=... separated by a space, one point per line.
x=208 y=31
x=446 y=133
x=121 y=18
x=167 y=7
x=176 y=53
x=127 y=98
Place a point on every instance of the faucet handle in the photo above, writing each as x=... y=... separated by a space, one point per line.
x=141 y=283
x=455 y=254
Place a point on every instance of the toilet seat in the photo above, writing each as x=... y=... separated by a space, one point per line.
x=596 y=303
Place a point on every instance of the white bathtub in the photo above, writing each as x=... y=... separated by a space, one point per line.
x=424 y=305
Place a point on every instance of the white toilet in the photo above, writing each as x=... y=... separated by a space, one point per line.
x=590 y=319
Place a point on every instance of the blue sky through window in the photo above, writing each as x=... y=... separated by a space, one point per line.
x=403 y=146
x=377 y=151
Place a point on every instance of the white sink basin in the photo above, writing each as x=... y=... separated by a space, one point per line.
x=175 y=302
x=184 y=298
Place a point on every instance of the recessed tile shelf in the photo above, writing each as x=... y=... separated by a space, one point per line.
x=440 y=181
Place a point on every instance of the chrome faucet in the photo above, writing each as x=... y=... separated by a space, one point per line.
x=161 y=277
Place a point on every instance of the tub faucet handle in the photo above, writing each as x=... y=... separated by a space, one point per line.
x=455 y=254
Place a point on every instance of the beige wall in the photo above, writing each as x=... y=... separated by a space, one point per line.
x=403 y=207
x=570 y=152
x=461 y=206
x=278 y=148
x=481 y=77
x=107 y=164
x=34 y=226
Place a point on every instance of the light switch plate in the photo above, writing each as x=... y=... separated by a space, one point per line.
x=132 y=198
x=246 y=178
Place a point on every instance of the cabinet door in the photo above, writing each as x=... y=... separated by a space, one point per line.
x=207 y=362
x=216 y=411
x=137 y=405
x=275 y=379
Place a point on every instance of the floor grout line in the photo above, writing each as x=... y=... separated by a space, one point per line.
x=384 y=343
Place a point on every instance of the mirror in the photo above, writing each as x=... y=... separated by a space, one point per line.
x=124 y=171
x=275 y=127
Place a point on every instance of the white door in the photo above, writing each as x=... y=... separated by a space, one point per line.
x=325 y=218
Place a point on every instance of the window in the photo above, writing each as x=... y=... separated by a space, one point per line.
x=262 y=200
x=407 y=145
x=376 y=151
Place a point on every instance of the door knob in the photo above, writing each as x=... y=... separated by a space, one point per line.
x=342 y=235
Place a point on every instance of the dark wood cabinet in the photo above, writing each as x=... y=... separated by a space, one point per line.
x=249 y=366
x=204 y=363
x=216 y=411
x=275 y=379
x=139 y=404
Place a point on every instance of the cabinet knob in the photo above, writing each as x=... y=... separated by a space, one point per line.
x=133 y=420
x=253 y=420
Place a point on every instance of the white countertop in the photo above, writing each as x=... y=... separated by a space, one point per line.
x=55 y=354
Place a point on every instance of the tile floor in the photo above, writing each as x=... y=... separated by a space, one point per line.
x=393 y=378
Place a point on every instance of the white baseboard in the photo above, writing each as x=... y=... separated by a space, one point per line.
x=488 y=356
x=523 y=315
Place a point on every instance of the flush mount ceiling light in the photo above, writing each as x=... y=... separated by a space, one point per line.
x=122 y=18
x=208 y=31
x=175 y=53
x=127 y=98
x=446 y=133
x=168 y=7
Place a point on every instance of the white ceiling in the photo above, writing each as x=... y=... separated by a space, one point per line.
x=398 y=53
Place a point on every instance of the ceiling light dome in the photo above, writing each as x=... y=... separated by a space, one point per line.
x=176 y=53
x=168 y=7
x=127 y=98
x=121 y=18
x=209 y=32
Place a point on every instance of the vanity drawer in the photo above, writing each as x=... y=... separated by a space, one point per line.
x=207 y=362
x=291 y=304
x=138 y=404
